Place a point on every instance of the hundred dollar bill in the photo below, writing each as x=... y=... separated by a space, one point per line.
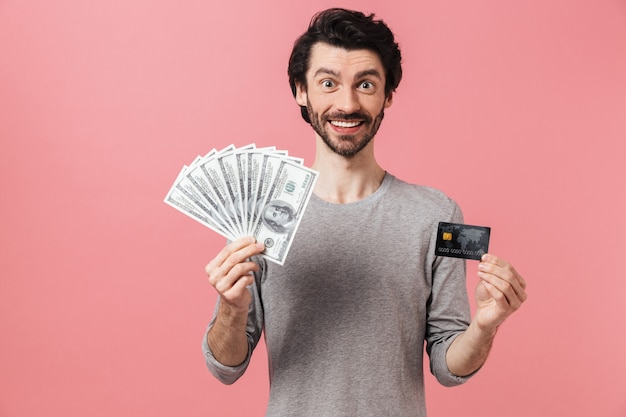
x=232 y=170
x=181 y=201
x=224 y=172
x=260 y=192
x=211 y=188
x=242 y=177
x=282 y=207
x=268 y=166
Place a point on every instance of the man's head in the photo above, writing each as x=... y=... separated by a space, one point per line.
x=350 y=30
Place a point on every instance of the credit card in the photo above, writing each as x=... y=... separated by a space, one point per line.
x=462 y=240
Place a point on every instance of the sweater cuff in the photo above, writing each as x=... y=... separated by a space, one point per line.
x=224 y=373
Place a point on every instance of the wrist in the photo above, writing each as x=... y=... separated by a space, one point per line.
x=232 y=313
x=483 y=332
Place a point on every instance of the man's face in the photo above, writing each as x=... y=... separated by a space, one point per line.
x=345 y=96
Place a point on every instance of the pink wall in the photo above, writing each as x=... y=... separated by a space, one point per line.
x=517 y=109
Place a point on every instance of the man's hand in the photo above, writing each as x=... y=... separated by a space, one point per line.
x=230 y=272
x=500 y=291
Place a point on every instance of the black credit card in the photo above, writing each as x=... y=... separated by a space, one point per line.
x=462 y=240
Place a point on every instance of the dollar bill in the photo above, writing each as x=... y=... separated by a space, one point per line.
x=178 y=198
x=282 y=209
x=211 y=193
x=247 y=191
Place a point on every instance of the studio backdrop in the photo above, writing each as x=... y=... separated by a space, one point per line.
x=515 y=109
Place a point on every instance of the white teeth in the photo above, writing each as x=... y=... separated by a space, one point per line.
x=344 y=124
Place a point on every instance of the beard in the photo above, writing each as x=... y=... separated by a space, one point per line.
x=345 y=145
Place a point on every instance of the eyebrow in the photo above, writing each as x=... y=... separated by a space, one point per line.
x=326 y=71
x=358 y=75
x=372 y=71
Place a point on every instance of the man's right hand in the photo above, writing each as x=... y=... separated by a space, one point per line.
x=230 y=272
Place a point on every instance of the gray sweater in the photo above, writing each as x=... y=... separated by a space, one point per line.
x=347 y=316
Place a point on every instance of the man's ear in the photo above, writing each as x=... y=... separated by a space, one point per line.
x=301 y=94
x=389 y=100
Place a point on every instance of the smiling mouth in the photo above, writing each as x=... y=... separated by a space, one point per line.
x=345 y=124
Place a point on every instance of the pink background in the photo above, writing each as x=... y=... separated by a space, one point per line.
x=517 y=109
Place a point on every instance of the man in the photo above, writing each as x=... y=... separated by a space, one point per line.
x=346 y=317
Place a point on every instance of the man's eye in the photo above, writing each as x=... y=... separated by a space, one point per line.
x=328 y=84
x=367 y=85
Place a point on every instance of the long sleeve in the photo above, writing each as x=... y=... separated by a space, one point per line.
x=254 y=328
x=448 y=311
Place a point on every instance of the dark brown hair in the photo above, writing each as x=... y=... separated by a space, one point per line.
x=350 y=30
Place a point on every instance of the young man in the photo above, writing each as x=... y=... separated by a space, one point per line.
x=346 y=317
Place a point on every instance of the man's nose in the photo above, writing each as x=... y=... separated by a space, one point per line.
x=348 y=101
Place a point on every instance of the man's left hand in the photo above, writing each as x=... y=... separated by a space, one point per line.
x=500 y=291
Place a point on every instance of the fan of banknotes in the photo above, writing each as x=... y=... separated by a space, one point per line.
x=247 y=191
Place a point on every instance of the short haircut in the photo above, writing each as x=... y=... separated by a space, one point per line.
x=350 y=30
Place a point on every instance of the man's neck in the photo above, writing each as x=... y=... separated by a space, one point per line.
x=346 y=180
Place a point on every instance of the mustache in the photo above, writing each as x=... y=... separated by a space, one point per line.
x=348 y=117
